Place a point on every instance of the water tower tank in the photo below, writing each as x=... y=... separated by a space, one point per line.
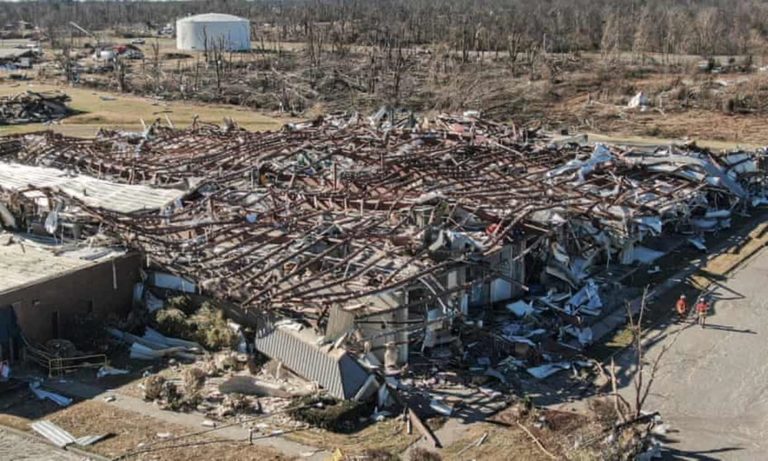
x=212 y=31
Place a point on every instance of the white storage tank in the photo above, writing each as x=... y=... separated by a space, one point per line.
x=214 y=30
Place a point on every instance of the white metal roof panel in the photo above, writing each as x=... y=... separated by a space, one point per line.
x=125 y=198
x=54 y=433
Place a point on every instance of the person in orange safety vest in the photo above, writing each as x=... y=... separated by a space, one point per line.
x=702 y=307
x=682 y=308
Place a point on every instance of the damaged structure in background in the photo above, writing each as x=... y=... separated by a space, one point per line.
x=363 y=249
x=32 y=107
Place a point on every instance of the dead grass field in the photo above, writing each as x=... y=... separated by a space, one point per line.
x=133 y=431
x=685 y=106
x=389 y=435
x=505 y=440
x=127 y=111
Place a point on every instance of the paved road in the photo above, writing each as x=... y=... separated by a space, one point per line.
x=18 y=448
x=712 y=386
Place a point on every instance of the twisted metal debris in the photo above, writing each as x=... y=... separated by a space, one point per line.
x=32 y=107
x=374 y=217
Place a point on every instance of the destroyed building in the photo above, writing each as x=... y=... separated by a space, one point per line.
x=56 y=269
x=354 y=245
x=30 y=107
x=13 y=58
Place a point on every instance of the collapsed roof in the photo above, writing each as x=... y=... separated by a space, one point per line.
x=345 y=212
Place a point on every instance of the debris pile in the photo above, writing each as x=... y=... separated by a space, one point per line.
x=33 y=107
x=220 y=387
x=153 y=345
x=355 y=246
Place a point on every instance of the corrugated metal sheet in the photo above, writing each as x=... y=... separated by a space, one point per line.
x=54 y=433
x=335 y=370
x=95 y=192
x=62 y=438
x=90 y=439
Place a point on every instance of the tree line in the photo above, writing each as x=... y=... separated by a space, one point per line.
x=704 y=27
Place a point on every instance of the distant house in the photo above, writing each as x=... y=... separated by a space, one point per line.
x=19 y=26
x=17 y=57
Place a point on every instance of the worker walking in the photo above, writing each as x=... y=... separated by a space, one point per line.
x=702 y=307
x=682 y=308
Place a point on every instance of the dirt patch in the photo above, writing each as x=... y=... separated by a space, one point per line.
x=16 y=422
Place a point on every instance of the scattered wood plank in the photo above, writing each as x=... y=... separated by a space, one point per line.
x=423 y=428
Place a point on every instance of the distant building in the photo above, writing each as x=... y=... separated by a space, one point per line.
x=17 y=57
x=207 y=31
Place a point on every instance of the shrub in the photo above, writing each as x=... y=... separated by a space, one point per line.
x=173 y=322
x=206 y=325
x=212 y=331
x=328 y=413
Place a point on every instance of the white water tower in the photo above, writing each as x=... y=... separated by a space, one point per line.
x=212 y=30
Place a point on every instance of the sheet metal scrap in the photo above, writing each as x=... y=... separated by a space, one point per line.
x=339 y=211
x=30 y=107
x=62 y=438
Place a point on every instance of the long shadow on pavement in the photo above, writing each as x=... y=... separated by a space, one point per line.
x=672 y=454
x=730 y=329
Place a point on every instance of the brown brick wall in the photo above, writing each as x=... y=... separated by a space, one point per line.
x=91 y=289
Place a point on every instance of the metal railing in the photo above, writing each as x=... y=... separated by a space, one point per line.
x=57 y=366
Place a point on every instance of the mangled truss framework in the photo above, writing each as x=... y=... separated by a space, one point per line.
x=343 y=215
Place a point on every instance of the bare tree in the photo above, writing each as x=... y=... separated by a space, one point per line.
x=156 y=70
x=644 y=32
x=218 y=60
x=65 y=61
x=120 y=71
x=610 y=45
x=643 y=378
